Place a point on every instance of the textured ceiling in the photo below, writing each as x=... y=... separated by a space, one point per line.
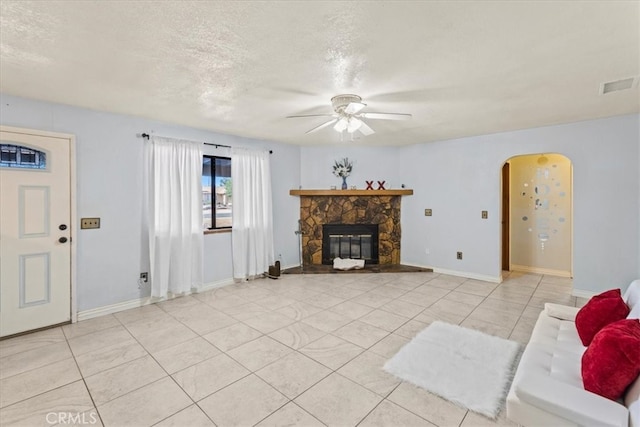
x=460 y=68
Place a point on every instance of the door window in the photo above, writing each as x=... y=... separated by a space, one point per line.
x=17 y=156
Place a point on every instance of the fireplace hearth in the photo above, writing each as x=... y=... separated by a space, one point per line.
x=355 y=241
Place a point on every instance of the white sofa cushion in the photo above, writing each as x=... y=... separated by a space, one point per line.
x=632 y=294
x=632 y=398
x=549 y=391
x=562 y=312
x=632 y=402
x=632 y=298
x=556 y=333
x=570 y=403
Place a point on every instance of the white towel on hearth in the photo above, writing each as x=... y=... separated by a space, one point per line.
x=348 y=264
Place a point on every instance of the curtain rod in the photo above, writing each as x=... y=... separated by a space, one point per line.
x=146 y=135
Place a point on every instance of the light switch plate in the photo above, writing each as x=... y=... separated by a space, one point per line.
x=485 y=214
x=427 y=212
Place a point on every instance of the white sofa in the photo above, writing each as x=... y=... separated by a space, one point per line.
x=547 y=388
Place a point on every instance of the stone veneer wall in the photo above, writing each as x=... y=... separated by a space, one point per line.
x=382 y=210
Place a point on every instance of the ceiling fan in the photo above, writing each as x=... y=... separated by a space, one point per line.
x=348 y=116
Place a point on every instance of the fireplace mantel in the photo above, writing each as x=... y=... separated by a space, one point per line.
x=399 y=192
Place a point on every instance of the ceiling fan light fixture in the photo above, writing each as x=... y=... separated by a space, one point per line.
x=341 y=102
x=354 y=125
x=354 y=107
x=348 y=116
x=341 y=125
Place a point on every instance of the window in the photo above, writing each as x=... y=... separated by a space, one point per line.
x=15 y=156
x=217 y=198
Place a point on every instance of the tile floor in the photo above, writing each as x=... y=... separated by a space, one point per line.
x=303 y=350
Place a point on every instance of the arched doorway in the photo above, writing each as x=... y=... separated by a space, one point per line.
x=537 y=214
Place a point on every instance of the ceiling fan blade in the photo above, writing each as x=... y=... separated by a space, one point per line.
x=354 y=107
x=353 y=124
x=386 y=116
x=322 y=126
x=310 y=115
x=341 y=125
x=365 y=129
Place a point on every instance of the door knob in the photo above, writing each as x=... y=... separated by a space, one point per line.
x=62 y=240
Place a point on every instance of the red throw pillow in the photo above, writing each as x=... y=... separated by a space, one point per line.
x=608 y=307
x=612 y=361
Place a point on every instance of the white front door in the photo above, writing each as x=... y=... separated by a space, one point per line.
x=35 y=231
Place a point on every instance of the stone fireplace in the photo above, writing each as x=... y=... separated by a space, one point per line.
x=379 y=208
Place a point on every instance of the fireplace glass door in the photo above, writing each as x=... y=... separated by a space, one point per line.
x=350 y=246
x=355 y=241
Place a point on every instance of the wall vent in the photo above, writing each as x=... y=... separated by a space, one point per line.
x=616 y=85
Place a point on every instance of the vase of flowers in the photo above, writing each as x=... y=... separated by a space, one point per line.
x=342 y=169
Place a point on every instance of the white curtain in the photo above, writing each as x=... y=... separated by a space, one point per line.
x=174 y=173
x=252 y=234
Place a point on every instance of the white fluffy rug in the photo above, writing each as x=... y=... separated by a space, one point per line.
x=469 y=368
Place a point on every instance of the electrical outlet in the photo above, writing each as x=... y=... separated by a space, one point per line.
x=427 y=212
x=459 y=255
x=485 y=214
x=89 y=223
x=144 y=277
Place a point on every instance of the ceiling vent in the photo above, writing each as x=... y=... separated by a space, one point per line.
x=623 y=84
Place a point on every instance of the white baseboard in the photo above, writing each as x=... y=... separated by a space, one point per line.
x=475 y=276
x=535 y=270
x=582 y=293
x=465 y=274
x=139 y=302
x=218 y=284
x=112 y=308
